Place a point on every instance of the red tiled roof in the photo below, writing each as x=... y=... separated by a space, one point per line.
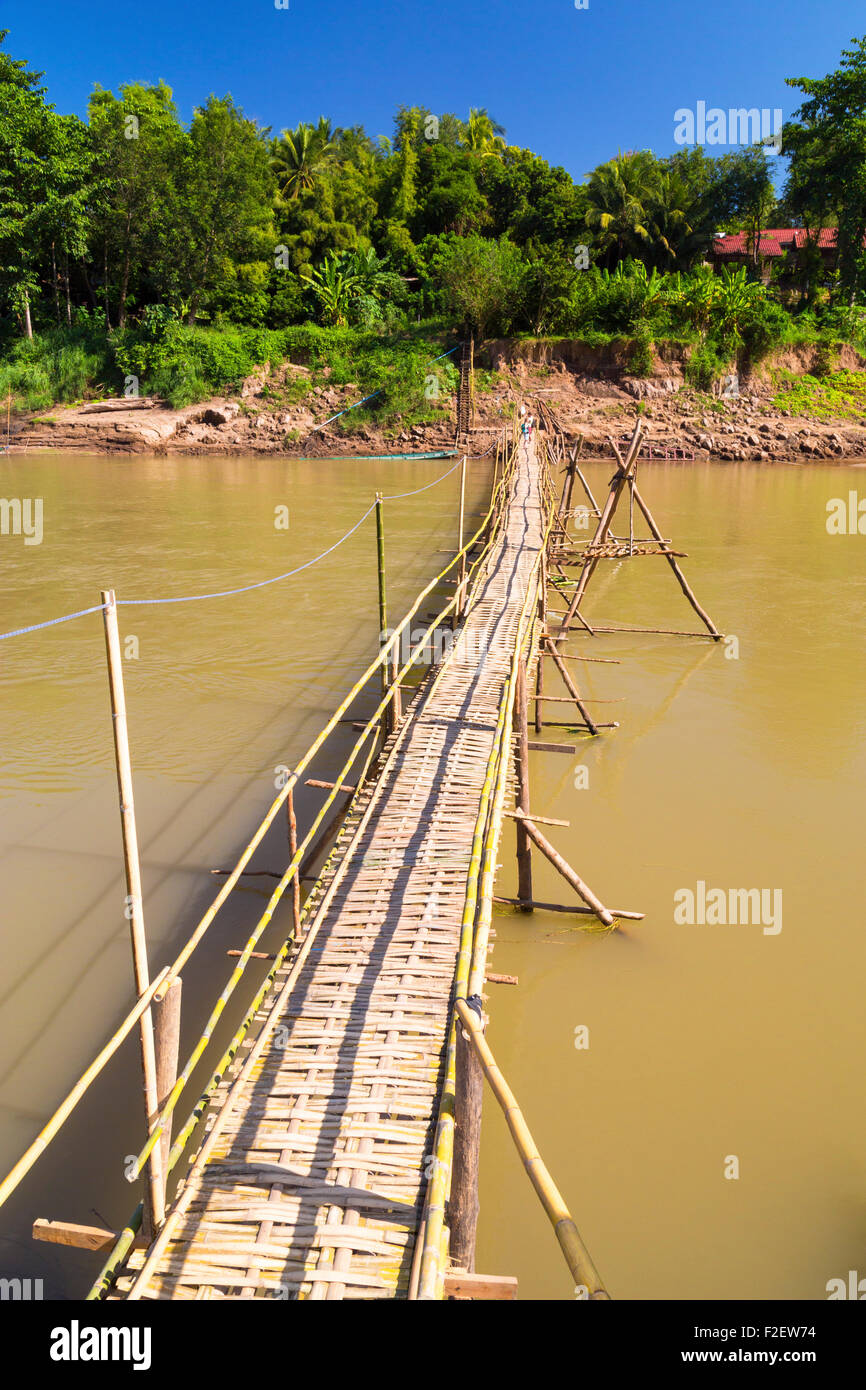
x=774 y=241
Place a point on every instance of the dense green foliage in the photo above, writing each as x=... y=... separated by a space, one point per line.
x=132 y=246
x=837 y=396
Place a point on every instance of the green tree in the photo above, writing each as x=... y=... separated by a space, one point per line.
x=224 y=203
x=481 y=281
x=826 y=142
x=482 y=135
x=619 y=194
x=44 y=168
x=138 y=144
x=297 y=157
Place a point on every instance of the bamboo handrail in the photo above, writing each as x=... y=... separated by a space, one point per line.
x=372 y=724
x=169 y=973
x=292 y=781
x=274 y=1013
x=576 y=1254
x=82 y=1085
x=481 y=870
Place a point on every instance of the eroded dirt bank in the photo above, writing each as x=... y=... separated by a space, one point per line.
x=589 y=389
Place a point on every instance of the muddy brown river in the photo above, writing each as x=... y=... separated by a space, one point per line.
x=694 y=1085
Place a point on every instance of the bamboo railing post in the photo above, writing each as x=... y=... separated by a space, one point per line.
x=463 y=1205
x=155 y=1194
x=521 y=749
x=293 y=846
x=391 y=716
x=461 y=579
x=542 y=620
x=166 y=1038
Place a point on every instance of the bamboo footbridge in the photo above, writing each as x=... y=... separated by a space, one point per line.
x=312 y=1180
x=334 y=1152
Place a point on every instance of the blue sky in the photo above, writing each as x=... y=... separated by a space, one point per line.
x=574 y=85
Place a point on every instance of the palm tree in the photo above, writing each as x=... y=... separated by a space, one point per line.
x=618 y=195
x=482 y=135
x=297 y=155
x=672 y=233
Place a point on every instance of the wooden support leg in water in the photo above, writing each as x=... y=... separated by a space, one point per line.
x=569 y=684
x=617 y=485
x=463 y=1204
x=568 y=873
x=154 y=1196
x=166 y=1041
x=393 y=711
x=542 y=627
x=579 y=1261
x=521 y=752
x=681 y=579
x=460 y=606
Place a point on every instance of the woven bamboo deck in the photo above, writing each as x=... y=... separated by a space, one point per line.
x=315 y=1186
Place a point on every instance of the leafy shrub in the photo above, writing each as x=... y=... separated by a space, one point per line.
x=640 y=360
x=705 y=365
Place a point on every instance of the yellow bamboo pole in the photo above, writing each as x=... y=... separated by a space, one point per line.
x=64 y=1110
x=164 y=979
x=247 y=853
x=576 y=1254
x=135 y=907
x=461 y=582
x=471 y=960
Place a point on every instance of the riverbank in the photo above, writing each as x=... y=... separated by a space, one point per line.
x=758 y=419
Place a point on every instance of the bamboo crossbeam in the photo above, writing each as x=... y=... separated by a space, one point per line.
x=517 y=814
x=577 y=1256
x=574 y=908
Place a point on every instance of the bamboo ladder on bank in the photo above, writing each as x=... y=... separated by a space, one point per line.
x=311 y=1181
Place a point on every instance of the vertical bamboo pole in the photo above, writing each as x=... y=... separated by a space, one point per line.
x=155 y=1196
x=166 y=1039
x=293 y=845
x=542 y=620
x=521 y=749
x=391 y=715
x=461 y=582
x=472 y=382
x=463 y=1205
